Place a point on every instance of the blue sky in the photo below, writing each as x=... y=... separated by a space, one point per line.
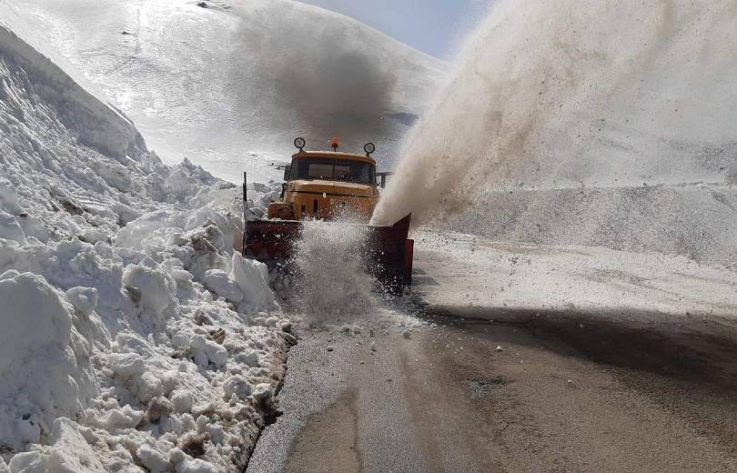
x=432 y=26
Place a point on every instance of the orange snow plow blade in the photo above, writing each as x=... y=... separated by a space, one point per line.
x=388 y=254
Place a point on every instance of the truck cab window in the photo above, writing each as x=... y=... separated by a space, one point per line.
x=333 y=170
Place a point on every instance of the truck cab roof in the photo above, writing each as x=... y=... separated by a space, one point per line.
x=334 y=155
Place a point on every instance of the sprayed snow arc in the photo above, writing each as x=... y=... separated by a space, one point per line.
x=133 y=339
x=552 y=95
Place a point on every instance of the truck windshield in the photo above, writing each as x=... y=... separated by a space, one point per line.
x=333 y=170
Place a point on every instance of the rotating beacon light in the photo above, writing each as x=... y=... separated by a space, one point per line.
x=334 y=143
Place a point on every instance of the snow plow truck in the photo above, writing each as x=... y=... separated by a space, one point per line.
x=325 y=185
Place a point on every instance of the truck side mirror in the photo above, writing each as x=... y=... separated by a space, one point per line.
x=287 y=172
x=381 y=180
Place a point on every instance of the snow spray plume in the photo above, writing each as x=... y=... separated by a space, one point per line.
x=332 y=284
x=554 y=93
x=327 y=84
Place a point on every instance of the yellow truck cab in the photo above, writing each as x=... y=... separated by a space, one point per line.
x=327 y=184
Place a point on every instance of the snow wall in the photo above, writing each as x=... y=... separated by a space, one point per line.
x=100 y=126
x=133 y=339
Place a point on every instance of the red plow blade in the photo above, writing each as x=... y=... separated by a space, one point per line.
x=388 y=253
x=271 y=242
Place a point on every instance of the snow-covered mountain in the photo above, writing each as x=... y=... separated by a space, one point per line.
x=230 y=83
x=131 y=337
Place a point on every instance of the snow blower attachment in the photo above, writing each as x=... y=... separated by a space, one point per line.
x=325 y=185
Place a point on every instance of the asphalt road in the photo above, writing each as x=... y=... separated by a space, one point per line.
x=574 y=361
x=567 y=396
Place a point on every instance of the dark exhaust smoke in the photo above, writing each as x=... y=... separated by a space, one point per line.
x=340 y=92
x=323 y=82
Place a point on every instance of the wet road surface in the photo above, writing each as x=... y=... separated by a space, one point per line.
x=568 y=360
x=554 y=394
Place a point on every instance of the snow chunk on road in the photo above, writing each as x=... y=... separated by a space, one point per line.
x=118 y=420
x=218 y=281
x=33 y=319
x=8 y=198
x=10 y=229
x=28 y=462
x=205 y=352
x=182 y=400
x=196 y=466
x=40 y=374
x=252 y=277
x=71 y=451
x=153 y=459
x=262 y=392
x=127 y=365
x=84 y=299
x=237 y=386
x=153 y=287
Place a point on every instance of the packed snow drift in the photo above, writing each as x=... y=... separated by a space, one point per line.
x=132 y=337
x=620 y=96
x=231 y=83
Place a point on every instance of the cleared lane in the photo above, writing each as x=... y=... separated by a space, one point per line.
x=446 y=400
x=609 y=362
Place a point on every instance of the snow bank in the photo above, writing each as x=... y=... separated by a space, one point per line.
x=506 y=280
x=33 y=318
x=43 y=370
x=151 y=287
x=697 y=221
x=132 y=339
x=252 y=278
